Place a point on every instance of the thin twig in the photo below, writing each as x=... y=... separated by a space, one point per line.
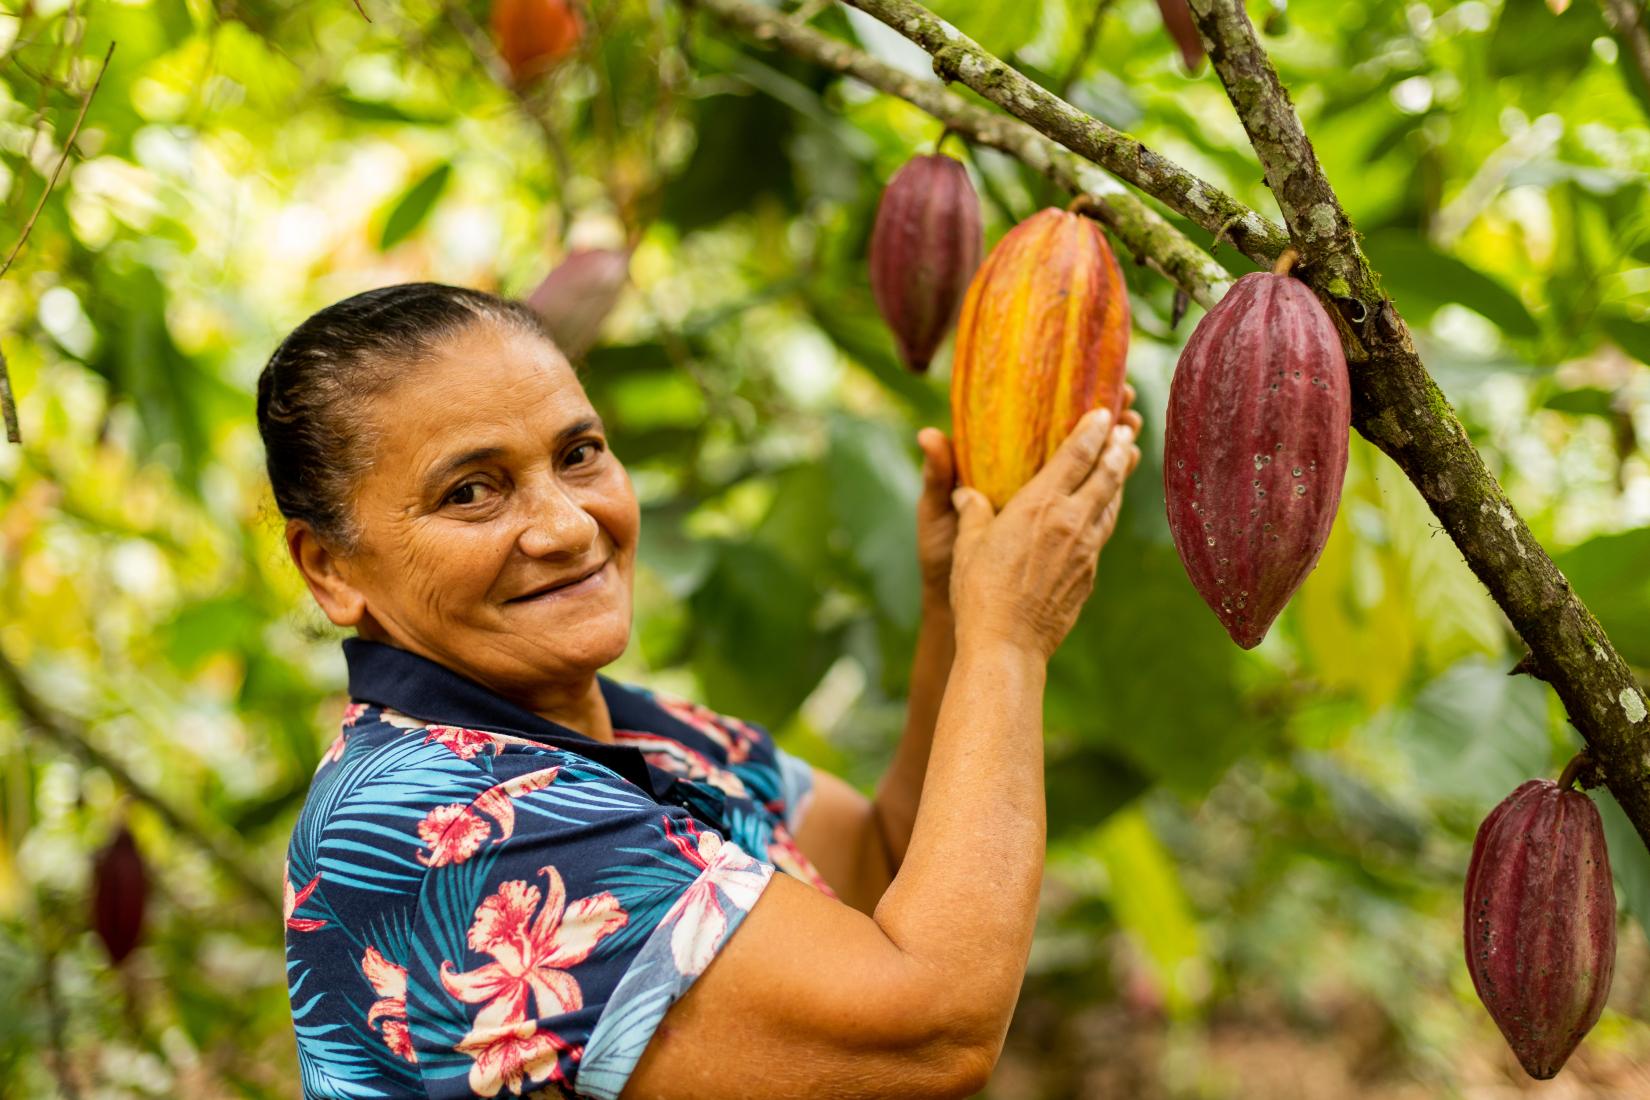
x=1144 y=232
x=8 y=404
x=960 y=58
x=69 y=734
x=1091 y=33
x=68 y=146
x=1627 y=20
x=483 y=48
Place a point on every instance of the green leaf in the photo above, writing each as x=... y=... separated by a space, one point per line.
x=1151 y=905
x=1474 y=734
x=1609 y=574
x=1629 y=335
x=874 y=489
x=1629 y=858
x=1531 y=42
x=1582 y=401
x=1420 y=279
x=1001 y=26
x=756 y=650
x=414 y=206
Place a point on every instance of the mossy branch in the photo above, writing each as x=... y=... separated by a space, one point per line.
x=960 y=58
x=1396 y=403
x=1145 y=233
x=1397 y=406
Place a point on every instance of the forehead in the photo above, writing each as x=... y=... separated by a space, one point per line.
x=491 y=386
x=490 y=378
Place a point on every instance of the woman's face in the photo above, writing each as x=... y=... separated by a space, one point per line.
x=498 y=532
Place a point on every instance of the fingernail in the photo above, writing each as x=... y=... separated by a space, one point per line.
x=957 y=499
x=1124 y=435
x=1102 y=421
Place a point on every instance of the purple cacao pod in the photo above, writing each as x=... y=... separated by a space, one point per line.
x=1254 y=449
x=1177 y=20
x=120 y=890
x=1540 y=921
x=925 y=246
x=578 y=294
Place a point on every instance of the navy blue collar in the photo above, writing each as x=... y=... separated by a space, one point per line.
x=414 y=685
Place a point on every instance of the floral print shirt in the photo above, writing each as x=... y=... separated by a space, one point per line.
x=480 y=901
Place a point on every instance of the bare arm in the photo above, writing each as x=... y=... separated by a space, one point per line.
x=915 y=999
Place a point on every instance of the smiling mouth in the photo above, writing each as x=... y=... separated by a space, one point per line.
x=551 y=589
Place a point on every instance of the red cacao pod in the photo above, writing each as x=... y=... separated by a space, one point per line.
x=1042 y=339
x=925 y=246
x=120 y=890
x=1254 y=449
x=1540 y=921
x=1177 y=20
x=534 y=35
x=578 y=294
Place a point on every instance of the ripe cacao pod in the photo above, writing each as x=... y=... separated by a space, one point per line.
x=1254 y=449
x=534 y=35
x=1540 y=925
x=120 y=890
x=1042 y=339
x=925 y=246
x=578 y=294
x=1177 y=20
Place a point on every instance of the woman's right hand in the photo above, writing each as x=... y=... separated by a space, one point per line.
x=1022 y=576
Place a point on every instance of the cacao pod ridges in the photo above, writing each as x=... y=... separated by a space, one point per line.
x=925 y=247
x=1042 y=339
x=1255 y=449
x=1539 y=922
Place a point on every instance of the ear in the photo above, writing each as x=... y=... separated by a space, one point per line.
x=341 y=601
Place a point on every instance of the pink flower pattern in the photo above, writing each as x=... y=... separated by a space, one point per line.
x=293 y=900
x=390 y=983
x=532 y=956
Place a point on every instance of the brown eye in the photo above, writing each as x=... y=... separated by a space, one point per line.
x=466 y=493
x=591 y=446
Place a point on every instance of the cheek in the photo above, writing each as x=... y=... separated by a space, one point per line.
x=612 y=502
x=459 y=560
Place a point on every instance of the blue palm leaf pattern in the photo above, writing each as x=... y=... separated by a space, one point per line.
x=483 y=903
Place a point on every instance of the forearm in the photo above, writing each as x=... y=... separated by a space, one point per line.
x=894 y=809
x=965 y=898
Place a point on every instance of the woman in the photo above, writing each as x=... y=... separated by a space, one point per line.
x=515 y=875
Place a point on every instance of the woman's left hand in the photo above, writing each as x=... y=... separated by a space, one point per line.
x=937 y=518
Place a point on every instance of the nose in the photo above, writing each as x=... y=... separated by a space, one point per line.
x=556 y=524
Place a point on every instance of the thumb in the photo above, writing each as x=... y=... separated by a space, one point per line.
x=974 y=512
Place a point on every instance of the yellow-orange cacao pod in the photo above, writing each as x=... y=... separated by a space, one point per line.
x=1042 y=339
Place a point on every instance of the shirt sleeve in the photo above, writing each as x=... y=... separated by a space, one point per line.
x=579 y=912
x=796 y=785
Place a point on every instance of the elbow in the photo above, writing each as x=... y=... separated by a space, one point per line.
x=970 y=1057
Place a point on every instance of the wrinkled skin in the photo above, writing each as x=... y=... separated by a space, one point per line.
x=442 y=556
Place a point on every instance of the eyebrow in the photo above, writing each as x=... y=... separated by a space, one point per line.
x=446 y=469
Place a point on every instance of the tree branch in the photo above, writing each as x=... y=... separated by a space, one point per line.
x=1626 y=19
x=68 y=734
x=958 y=57
x=1146 y=234
x=1399 y=408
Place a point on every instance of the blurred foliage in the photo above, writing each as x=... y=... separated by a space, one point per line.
x=1285 y=828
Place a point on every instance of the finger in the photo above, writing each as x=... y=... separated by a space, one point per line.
x=1076 y=455
x=1108 y=475
x=938 y=467
x=1107 y=523
x=1132 y=419
x=1128 y=396
x=974 y=512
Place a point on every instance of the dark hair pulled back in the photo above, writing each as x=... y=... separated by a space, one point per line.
x=313 y=392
